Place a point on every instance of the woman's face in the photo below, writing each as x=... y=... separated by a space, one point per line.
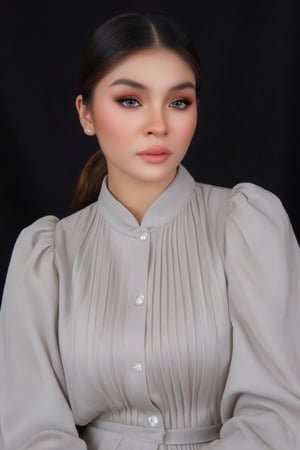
x=144 y=114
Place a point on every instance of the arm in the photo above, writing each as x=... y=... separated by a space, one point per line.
x=261 y=401
x=34 y=409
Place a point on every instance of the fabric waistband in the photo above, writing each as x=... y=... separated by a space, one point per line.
x=178 y=436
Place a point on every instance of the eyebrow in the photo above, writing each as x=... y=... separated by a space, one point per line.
x=137 y=85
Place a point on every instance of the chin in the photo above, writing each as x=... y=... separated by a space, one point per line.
x=157 y=173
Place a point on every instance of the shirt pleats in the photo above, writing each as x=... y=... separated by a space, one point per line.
x=151 y=335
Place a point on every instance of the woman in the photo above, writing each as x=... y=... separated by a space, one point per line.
x=164 y=312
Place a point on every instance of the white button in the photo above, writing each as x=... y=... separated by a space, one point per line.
x=153 y=420
x=139 y=300
x=143 y=236
x=137 y=366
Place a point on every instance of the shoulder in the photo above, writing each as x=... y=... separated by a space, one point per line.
x=74 y=229
x=78 y=218
x=256 y=210
x=32 y=259
x=42 y=234
x=39 y=233
x=242 y=199
x=259 y=236
x=212 y=192
x=213 y=204
x=245 y=212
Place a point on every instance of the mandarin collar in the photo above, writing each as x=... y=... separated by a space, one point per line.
x=162 y=210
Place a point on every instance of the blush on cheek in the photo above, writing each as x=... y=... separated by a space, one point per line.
x=108 y=123
x=188 y=130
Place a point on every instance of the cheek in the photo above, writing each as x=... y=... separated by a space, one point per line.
x=186 y=128
x=108 y=124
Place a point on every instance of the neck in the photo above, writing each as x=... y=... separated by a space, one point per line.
x=137 y=195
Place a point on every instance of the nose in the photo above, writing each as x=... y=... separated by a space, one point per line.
x=157 y=123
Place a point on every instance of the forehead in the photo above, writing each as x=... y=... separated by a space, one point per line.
x=152 y=67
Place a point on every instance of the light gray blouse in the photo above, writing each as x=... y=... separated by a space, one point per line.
x=181 y=333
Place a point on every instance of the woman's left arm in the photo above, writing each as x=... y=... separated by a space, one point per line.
x=261 y=401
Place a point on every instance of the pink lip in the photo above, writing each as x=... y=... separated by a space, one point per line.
x=155 y=154
x=155 y=151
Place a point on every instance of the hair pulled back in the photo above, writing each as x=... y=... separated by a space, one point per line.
x=116 y=39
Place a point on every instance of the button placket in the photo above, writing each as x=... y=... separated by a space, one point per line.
x=134 y=332
x=135 y=329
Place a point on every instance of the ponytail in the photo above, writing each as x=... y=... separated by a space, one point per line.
x=89 y=183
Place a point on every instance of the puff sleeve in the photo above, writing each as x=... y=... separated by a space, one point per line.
x=34 y=409
x=261 y=401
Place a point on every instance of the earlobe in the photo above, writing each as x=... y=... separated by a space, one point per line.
x=85 y=117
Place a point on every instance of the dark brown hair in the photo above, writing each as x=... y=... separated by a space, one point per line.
x=112 y=42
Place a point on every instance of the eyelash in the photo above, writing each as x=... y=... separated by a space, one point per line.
x=123 y=101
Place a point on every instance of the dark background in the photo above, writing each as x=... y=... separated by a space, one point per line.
x=247 y=124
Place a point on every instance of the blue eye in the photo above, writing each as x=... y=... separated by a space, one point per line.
x=180 y=104
x=129 y=102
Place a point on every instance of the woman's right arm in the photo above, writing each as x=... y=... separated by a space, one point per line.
x=34 y=410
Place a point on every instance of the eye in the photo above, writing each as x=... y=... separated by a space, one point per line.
x=180 y=103
x=129 y=102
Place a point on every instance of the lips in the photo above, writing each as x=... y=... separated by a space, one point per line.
x=155 y=151
x=155 y=155
x=154 y=158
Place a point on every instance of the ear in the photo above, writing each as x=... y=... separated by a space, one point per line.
x=85 y=116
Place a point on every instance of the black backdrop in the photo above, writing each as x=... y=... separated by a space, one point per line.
x=247 y=123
